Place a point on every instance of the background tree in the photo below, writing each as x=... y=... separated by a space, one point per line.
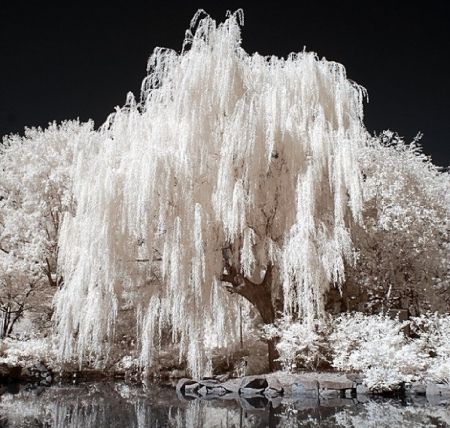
x=234 y=172
x=403 y=248
x=35 y=190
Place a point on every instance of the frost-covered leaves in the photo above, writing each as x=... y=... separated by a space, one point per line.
x=35 y=191
x=403 y=249
x=374 y=345
x=434 y=333
x=377 y=346
x=300 y=344
x=227 y=152
x=27 y=352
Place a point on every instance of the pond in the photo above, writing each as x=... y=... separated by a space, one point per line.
x=121 y=405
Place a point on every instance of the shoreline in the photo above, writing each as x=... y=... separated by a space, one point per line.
x=321 y=386
x=274 y=387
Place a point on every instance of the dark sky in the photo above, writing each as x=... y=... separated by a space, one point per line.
x=68 y=61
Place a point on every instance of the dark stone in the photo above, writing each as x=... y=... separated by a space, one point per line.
x=254 y=382
x=253 y=403
x=191 y=388
x=182 y=383
x=205 y=378
x=39 y=390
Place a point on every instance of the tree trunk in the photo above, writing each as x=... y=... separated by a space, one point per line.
x=9 y=319
x=273 y=355
x=13 y=321
x=260 y=296
x=5 y=322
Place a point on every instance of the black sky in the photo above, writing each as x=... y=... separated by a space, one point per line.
x=68 y=61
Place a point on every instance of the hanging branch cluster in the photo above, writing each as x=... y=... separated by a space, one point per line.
x=225 y=150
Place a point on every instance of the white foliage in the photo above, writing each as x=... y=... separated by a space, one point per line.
x=225 y=150
x=377 y=346
x=25 y=353
x=404 y=248
x=247 y=257
x=300 y=344
x=35 y=191
x=434 y=335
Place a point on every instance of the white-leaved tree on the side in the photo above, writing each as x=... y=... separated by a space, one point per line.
x=404 y=247
x=35 y=190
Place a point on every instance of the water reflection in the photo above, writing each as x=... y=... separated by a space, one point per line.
x=119 y=405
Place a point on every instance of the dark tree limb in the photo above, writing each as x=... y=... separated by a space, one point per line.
x=48 y=272
x=259 y=295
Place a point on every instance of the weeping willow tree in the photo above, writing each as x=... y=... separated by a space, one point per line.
x=233 y=172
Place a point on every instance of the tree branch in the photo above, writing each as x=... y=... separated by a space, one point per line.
x=258 y=295
x=48 y=272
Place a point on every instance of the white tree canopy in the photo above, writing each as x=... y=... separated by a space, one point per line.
x=229 y=163
x=35 y=190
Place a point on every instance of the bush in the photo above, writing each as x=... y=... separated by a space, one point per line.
x=300 y=345
x=374 y=345
x=377 y=346
x=433 y=331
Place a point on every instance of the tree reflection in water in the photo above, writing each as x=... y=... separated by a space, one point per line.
x=96 y=405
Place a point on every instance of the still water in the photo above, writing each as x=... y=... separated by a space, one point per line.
x=120 y=405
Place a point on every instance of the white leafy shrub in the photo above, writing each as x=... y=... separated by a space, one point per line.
x=301 y=344
x=439 y=370
x=377 y=346
x=374 y=345
x=434 y=334
x=27 y=352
